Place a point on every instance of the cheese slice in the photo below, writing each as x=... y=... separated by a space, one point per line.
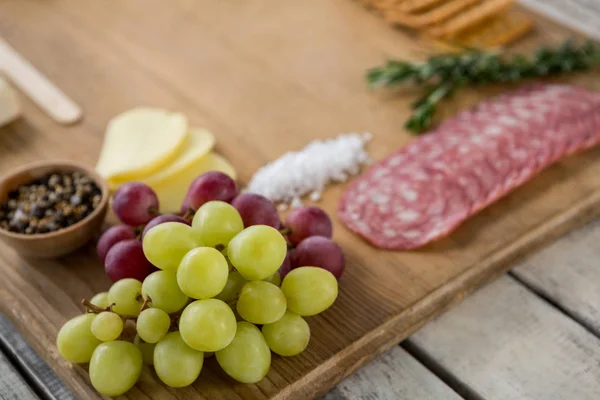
x=196 y=145
x=9 y=105
x=140 y=142
x=171 y=192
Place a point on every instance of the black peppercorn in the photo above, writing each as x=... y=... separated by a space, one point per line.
x=67 y=210
x=76 y=200
x=96 y=200
x=54 y=180
x=67 y=181
x=60 y=219
x=50 y=203
x=38 y=210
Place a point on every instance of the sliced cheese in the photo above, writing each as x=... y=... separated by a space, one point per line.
x=141 y=141
x=9 y=105
x=171 y=192
x=196 y=145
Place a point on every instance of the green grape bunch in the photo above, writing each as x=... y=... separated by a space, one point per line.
x=221 y=287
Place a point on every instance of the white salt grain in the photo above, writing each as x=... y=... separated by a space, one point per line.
x=308 y=171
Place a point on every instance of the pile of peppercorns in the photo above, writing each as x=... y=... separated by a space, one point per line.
x=50 y=203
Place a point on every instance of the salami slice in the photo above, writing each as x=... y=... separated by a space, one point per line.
x=427 y=188
x=405 y=210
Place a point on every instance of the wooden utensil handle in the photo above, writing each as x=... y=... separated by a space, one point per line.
x=35 y=85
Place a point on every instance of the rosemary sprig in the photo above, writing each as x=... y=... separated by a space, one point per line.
x=443 y=74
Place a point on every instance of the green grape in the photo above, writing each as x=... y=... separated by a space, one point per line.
x=257 y=252
x=153 y=324
x=235 y=282
x=165 y=244
x=288 y=336
x=75 y=341
x=216 y=223
x=207 y=325
x=176 y=363
x=126 y=295
x=100 y=300
x=147 y=350
x=115 y=367
x=248 y=358
x=202 y=273
x=275 y=279
x=164 y=292
x=309 y=290
x=107 y=326
x=261 y=302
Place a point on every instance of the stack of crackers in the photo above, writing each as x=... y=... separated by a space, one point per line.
x=458 y=23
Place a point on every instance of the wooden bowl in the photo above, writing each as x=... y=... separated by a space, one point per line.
x=65 y=240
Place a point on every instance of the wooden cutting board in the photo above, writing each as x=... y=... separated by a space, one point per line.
x=265 y=76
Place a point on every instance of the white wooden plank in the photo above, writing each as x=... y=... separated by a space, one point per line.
x=12 y=385
x=568 y=274
x=31 y=365
x=396 y=375
x=579 y=15
x=506 y=343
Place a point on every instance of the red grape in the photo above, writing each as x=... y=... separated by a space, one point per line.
x=319 y=251
x=256 y=210
x=135 y=203
x=164 y=218
x=308 y=221
x=213 y=185
x=112 y=236
x=286 y=266
x=126 y=260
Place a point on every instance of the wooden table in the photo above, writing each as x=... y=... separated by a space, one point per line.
x=533 y=334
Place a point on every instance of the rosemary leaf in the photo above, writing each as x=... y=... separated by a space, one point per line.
x=443 y=74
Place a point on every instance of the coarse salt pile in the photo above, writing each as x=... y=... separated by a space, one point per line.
x=298 y=173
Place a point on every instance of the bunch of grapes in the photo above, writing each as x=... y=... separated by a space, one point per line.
x=233 y=283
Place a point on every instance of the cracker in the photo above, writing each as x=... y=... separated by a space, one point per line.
x=494 y=32
x=445 y=11
x=434 y=16
x=473 y=16
x=399 y=18
x=415 y=6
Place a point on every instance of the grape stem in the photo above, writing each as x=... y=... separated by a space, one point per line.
x=285 y=231
x=146 y=303
x=153 y=211
x=90 y=307
x=188 y=214
x=138 y=231
x=94 y=308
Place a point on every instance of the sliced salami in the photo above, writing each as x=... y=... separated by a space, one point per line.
x=406 y=210
x=426 y=189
